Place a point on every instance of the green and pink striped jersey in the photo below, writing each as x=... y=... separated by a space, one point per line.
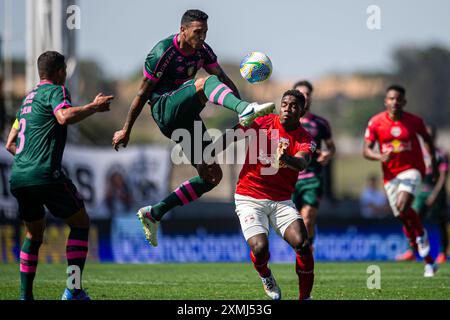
x=41 y=139
x=169 y=67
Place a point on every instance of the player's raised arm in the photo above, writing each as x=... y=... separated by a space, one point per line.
x=11 y=141
x=122 y=136
x=218 y=71
x=72 y=115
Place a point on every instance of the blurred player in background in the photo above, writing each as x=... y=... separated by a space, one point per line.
x=262 y=200
x=309 y=187
x=176 y=99
x=432 y=199
x=37 y=140
x=401 y=156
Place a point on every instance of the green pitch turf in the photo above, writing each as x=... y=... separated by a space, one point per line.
x=233 y=281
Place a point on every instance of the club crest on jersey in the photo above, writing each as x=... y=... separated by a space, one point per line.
x=180 y=59
x=159 y=74
x=396 y=131
x=190 y=71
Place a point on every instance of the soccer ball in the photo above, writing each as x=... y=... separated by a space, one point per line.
x=256 y=67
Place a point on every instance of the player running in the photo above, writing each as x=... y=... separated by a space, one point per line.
x=37 y=141
x=309 y=187
x=432 y=199
x=176 y=100
x=396 y=131
x=266 y=199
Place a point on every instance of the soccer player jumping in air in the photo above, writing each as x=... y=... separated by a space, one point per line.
x=37 y=140
x=264 y=199
x=177 y=98
x=401 y=156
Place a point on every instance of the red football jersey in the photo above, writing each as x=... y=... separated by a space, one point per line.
x=258 y=178
x=400 y=137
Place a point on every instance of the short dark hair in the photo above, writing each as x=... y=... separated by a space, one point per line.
x=297 y=94
x=193 y=15
x=304 y=83
x=397 y=88
x=49 y=63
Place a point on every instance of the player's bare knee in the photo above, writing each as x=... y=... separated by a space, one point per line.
x=259 y=248
x=79 y=220
x=36 y=235
x=200 y=84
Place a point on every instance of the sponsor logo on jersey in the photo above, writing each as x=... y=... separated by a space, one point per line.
x=396 y=146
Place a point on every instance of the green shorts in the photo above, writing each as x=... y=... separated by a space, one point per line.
x=308 y=192
x=439 y=207
x=180 y=109
x=62 y=200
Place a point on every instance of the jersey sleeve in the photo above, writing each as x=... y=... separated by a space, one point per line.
x=326 y=130
x=306 y=143
x=421 y=128
x=156 y=62
x=210 y=57
x=60 y=98
x=371 y=133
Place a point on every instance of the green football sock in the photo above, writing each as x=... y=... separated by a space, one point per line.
x=28 y=265
x=218 y=93
x=187 y=192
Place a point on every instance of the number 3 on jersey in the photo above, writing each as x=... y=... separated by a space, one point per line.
x=22 y=126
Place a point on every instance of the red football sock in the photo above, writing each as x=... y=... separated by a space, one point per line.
x=414 y=220
x=429 y=259
x=409 y=233
x=304 y=267
x=260 y=265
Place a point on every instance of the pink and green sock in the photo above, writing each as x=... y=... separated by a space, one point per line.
x=217 y=92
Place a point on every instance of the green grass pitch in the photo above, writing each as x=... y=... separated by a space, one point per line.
x=234 y=281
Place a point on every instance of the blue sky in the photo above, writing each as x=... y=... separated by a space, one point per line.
x=303 y=38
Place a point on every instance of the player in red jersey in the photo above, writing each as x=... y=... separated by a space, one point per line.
x=263 y=197
x=396 y=132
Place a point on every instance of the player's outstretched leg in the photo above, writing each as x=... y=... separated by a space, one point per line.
x=76 y=251
x=418 y=239
x=29 y=258
x=188 y=191
x=217 y=92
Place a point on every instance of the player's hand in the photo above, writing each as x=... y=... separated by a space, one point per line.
x=324 y=157
x=386 y=156
x=101 y=102
x=120 y=137
x=281 y=151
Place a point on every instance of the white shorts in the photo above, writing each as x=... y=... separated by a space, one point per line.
x=407 y=181
x=256 y=214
